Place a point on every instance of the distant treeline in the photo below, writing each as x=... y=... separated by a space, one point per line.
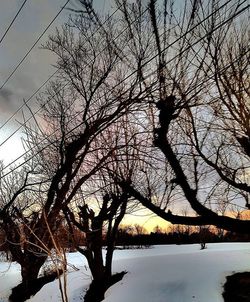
x=137 y=237
x=126 y=239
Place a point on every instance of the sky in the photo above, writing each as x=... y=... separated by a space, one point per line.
x=146 y=219
x=34 y=71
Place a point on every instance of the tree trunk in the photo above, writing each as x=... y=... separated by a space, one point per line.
x=97 y=289
x=31 y=267
x=96 y=260
x=100 y=281
x=102 y=275
x=30 y=284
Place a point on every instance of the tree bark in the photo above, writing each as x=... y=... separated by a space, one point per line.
x=97 y=289
x=30 y=284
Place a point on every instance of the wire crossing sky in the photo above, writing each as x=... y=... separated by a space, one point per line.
x=26 y=69
x=44 y=83
x=33 y=45
x=6 y=93
x=200 y=39
x=27 y=66
x=13 y=20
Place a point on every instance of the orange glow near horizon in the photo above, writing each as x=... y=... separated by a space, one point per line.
x=146 y=219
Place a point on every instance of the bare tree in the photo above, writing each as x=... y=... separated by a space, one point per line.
x=100 y=220
x=201 y=95
x=175 y=75
x=87 y=97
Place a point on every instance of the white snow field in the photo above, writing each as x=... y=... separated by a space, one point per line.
x=167 y=273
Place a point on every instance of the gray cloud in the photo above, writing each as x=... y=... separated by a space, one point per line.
x=6 y=103
x=5 y=95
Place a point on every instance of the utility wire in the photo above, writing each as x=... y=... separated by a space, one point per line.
x=52 y=97
x=201 y=83
x=26 y=102
x=43 y=140
x=13 y=20
x=32 y=47
x=52 y=75
x=135 y=72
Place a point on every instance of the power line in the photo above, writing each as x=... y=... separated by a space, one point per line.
x=171 y=43
x=31 y=149
x=32 y=47
x=52 y=75
x=200 y=39
x=13 y=20
x=127 y=78
x=201 y=83
x=26 y=102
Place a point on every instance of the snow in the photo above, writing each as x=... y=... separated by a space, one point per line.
x=168 y=273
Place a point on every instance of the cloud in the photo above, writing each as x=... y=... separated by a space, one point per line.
x=6 y=96
x=6 y=103
x=6 y=100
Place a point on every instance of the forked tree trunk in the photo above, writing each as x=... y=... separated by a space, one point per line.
x=94 y=256
x=94 y=245
x=102 y=274
x=97 y=289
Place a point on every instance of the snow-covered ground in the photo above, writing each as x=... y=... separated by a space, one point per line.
x=169 y=273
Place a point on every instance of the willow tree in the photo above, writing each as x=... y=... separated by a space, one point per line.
x=89 y=94
x=200 y=98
